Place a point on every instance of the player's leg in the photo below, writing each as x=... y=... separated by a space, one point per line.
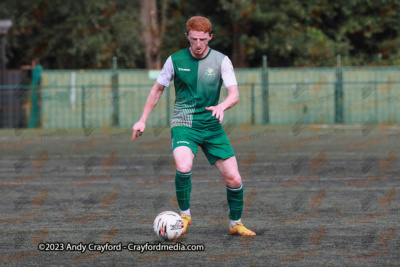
x=234 y=190
x=219 y=153
x=183 y=156
x=184 y=147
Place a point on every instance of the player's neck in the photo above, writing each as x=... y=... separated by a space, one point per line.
x=200 y=56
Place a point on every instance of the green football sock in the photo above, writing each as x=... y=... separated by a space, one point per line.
x=235 y=202
x=183 y=186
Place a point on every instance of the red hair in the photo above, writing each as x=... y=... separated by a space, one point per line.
x=198 y=23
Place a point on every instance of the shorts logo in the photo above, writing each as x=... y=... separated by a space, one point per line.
x=210 y=71
x=182 y=142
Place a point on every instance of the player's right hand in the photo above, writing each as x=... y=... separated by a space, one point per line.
x=138 y=129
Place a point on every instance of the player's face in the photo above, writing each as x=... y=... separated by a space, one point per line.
x=199 y=41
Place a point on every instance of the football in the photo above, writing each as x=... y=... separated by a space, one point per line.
x=168 y=225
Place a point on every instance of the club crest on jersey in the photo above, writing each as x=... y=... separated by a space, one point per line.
x=210 y=71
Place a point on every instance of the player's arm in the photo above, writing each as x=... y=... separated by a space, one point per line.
x=229 y=79
x=151 y=103
x=231 y=100
x=163 y=80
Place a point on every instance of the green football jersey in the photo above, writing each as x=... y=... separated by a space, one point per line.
x=197 y=86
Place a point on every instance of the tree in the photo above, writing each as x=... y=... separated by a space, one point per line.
x=73 y=34
x=142 y=34
x=152 y=31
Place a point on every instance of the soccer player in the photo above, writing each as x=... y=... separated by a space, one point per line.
x=198 y=72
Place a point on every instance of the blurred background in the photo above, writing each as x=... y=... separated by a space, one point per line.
x=315 y=131
x=296 y=61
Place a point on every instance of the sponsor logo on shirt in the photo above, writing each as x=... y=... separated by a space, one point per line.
x=210 y=71
x=184 y=142
x=183 y=69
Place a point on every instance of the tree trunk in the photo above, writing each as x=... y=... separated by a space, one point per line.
x=152 y=32
x=239 y=26
x=238 y=53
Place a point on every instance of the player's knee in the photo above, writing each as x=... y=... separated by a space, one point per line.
x=184 y=167
x=234 y=181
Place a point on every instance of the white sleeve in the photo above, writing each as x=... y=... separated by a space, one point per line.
x=167 y=73
x=227 y=73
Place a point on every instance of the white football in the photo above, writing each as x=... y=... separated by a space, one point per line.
x=168 y=225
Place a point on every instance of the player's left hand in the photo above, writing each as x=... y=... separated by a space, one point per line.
x=217 y=112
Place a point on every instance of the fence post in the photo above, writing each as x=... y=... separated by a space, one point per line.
x=252 y=104
x=339 y=92
x=114 y=94
x=83 y=108
x=265 y=93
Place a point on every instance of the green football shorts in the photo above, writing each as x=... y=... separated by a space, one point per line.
x=214 y=143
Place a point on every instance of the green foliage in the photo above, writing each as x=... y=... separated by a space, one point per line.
x=87 y=34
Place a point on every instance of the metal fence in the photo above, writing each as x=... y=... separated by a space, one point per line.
x=104 y=98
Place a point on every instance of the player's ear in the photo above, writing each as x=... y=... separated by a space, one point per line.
x=211 y=34
x=187 y=36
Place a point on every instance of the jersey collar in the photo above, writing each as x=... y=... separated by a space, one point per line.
x=209 y=51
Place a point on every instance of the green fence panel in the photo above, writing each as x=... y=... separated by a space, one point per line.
x=359 y=87
x=249 y=85
x=388 y=95
x=371 y=94
x=57 y=101
x=62 y=98
x=141 y=82
x=75 y=99
x=301 y=95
